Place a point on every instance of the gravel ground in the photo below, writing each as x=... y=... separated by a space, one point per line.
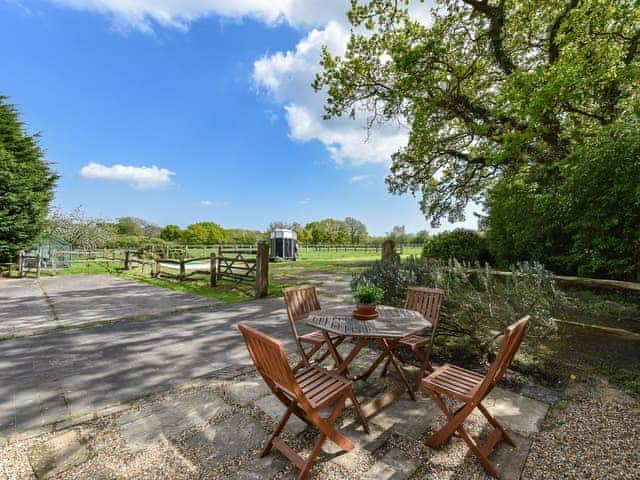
x=564 y=449
x=593 y=433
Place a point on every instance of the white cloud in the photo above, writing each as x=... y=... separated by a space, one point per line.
x=305 y=201
x=211 y=204
x=144 y=14
x=287 y=76
x=142 y=178
x=359 y=179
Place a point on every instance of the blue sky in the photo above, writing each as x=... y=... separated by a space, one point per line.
x=215 y=96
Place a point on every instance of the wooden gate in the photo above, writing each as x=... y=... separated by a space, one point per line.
x=237 y=268
x=240 y=268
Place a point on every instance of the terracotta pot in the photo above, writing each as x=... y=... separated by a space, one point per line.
x=366 y=309
x=365 y=312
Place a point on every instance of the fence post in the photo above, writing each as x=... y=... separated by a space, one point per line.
x=388 y=249
x=182 y=269
x=54 y=260
x=262 y=270
x=213 y=274
x=38 y=265
x=126 y=259
x=21 y=264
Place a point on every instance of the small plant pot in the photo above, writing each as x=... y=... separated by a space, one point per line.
x=365 y=312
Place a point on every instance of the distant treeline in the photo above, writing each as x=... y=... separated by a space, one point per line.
x=84 y=232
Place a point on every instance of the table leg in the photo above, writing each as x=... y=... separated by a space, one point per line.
x=337 y=359
x=352 y=354
x=373 y=366
x=389 y=347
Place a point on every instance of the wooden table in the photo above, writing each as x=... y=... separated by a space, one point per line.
x=389 y=328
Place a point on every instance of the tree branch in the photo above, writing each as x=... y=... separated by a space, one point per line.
x=595 y=116
x=554 y=49
x=633 y=48
x=496 y=17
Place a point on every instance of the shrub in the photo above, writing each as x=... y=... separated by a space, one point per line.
x=368 y=294
x=478 y=306
x=582 y=217
x=460 y=244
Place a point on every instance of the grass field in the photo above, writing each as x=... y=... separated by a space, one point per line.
x=331 y=261
x=281 y=274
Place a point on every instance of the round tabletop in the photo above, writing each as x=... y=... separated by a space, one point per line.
x=392 y=322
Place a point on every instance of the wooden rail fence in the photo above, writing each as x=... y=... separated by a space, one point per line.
x=28 y=263
x=242 y=269
x=373 y=247
x=237 y=268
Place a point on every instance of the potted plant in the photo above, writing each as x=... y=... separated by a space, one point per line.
x=367 y=296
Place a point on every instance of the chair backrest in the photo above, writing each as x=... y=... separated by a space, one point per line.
x=513 y=336
x=427 y=301
x=269 y=358
x=300 y=301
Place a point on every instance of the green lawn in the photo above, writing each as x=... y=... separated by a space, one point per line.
x=281 y=275
x=330 y=261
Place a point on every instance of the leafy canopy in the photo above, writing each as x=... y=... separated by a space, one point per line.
x=490 y=86
x=27 y=184
x=463 y=245
x=205 y=233
x=584 y=219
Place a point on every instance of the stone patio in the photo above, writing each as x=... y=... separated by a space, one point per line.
x=164 y=388
x=215 y=427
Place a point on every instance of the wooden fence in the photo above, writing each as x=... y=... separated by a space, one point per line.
x=236 y=266
x=356 y=247
x=183 y=269
x=29 y=263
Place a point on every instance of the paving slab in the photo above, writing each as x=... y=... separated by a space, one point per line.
x=100 y=366
x=274 y=409
x=365 y=445
x=247 y=391
x=32 y=404
x=80 y=299
x=261 y=468
x=58 y=454
x=218 y=444
x=142 y=428
x=510 y=461
x=409 y=418
x=516 y=413
x=394 y=465
x=24 y=308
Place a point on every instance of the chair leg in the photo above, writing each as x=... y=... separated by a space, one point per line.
x=324 y=356
x=491 y=419
x=455 y=423
x=306 y=362
x=424 y=366
x=283 y=421
x=326 y=430
x=359 y=412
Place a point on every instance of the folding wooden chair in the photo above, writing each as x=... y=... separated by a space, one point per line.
x=427 y=301
x=300 y=301
x=471 y=388
x=304 y=394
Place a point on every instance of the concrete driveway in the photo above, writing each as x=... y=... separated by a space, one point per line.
x=65 y=373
